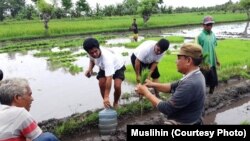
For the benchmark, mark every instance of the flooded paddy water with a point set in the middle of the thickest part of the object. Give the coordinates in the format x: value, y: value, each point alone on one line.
x: 235, y: 115
x: 59, y: 93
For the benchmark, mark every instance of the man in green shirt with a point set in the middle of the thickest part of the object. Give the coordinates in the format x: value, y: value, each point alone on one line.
x: 208, y: 42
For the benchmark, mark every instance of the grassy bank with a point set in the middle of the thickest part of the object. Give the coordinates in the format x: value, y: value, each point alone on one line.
x: 35, y: 29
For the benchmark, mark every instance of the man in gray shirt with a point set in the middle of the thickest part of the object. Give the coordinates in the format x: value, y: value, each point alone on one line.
x: 186, y: 105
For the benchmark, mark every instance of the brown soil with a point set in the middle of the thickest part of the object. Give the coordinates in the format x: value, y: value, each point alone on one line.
x: 231, y: 93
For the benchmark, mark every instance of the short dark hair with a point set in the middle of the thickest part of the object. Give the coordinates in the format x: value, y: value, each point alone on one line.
x: 90, y: 43
x: 163, y: 44
x: 197, y: 61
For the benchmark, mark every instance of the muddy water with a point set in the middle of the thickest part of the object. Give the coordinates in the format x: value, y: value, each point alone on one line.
x: 58, y: 93
x: 228, y: 30
x: 235, y: 115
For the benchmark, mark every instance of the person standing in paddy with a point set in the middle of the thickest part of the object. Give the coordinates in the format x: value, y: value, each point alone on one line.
x: 135, y: 30
x: 208, y: 42
x: 110, y: 66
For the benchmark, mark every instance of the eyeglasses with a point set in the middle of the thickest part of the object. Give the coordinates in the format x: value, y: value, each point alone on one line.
x: 184, y: 56
x: 210, y: 24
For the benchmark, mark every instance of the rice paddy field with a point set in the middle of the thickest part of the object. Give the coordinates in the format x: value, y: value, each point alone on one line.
x: 34, y: 29
x: 18, y: 38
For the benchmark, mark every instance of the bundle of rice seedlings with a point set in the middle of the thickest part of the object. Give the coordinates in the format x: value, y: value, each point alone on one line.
x: 204, y: 65
x: 144, y: 75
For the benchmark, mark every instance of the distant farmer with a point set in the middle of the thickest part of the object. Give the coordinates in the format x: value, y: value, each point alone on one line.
x: 208, y: 42
x: 134, y: 28
x: 110, y: 66
x: 147, y: 56
x: 186, y: 106
x: 16, y: 123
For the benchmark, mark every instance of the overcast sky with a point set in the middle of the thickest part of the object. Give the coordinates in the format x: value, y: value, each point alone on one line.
x: 174, y: 3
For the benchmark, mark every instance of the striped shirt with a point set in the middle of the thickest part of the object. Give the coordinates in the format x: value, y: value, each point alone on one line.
x: 16, y: 124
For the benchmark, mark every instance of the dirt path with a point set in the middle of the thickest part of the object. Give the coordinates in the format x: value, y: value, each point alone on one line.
x: 233, y: 93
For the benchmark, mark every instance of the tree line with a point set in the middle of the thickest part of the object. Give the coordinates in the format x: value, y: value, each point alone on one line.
x: 18, y: 9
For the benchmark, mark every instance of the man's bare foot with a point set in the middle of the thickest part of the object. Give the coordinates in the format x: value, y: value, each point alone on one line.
x: 115, y: 105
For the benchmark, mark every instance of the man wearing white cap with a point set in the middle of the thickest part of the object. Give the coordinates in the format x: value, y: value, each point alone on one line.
x: 208, y: 42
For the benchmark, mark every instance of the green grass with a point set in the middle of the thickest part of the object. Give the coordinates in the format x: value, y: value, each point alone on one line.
x: 175, y: 39
x: 171, y: 39
x: 31, y: 29
x: 233, y: 55
x: 166, y: 66
x: 70, y: 126
x: 245, y: 122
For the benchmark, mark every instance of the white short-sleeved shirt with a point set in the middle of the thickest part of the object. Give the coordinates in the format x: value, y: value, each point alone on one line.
x: 145, y: 52
x: 109, y: 61
x: 17, y: 124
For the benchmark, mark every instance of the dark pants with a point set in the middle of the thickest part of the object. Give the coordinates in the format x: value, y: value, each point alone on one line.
x: 118, y: 73
x: 211, y: 78
x: 155, y: 74
x: 200, y: 122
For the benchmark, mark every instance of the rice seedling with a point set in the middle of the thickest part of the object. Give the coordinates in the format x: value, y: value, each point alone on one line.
x: 204, y: 65
x: 124, y: 53
x: 144, y: 75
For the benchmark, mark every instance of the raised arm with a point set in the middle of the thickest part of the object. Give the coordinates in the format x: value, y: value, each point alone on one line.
x: 158, y: 86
